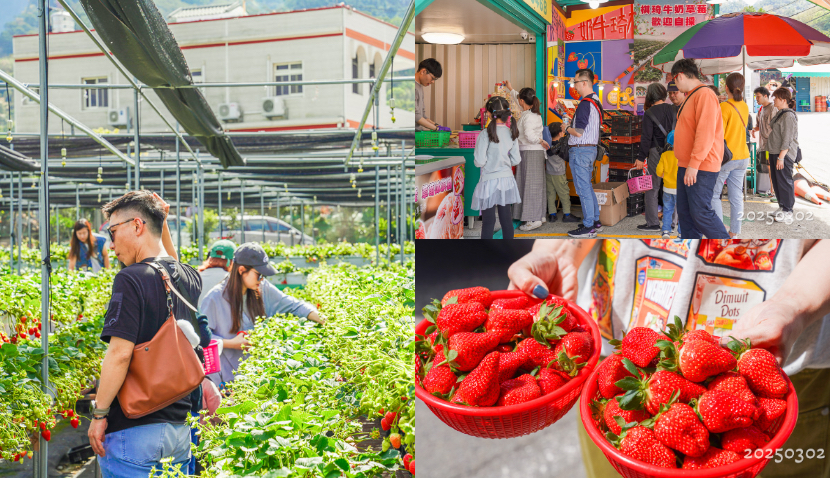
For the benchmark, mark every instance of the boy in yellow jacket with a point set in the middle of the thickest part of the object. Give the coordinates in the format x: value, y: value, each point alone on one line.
x: 667, y: 169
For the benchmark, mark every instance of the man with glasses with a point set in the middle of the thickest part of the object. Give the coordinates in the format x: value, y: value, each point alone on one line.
x: 675, y: 96
x: 585, y: 133
x: 138, y: 308
x: 429, y: 70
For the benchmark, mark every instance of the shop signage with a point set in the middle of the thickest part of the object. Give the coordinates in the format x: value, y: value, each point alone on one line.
x: 616, y: 25
x: 678, y: 15
x: 542, y: 7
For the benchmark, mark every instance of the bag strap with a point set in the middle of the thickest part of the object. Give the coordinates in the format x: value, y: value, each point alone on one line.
x: 781, y: 114
x: 659, y: 125
x: 739, y: 113
x: 599, y: 110
x: 687, y: 98
x: 169, y: 287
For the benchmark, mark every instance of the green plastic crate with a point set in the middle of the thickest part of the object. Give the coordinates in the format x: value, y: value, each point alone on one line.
x: 472, y: 127
x: 432, y: 139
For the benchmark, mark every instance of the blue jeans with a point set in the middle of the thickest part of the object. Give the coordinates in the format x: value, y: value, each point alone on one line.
x: 733, y: 172
x: 694, y: 207
x: 133, y: 452
x: 669, y: 203
x: 582, y: 165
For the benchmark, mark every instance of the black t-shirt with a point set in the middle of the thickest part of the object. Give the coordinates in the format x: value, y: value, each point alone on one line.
x: 136, y: 312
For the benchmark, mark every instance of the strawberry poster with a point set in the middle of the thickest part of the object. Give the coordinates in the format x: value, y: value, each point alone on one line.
x: 617, y: 24
x: 740, y: 254
x: 654, y: 292
x: 602, y: 291
x: 587, y: 54
x: 718, y: 302
x: 556, y: 62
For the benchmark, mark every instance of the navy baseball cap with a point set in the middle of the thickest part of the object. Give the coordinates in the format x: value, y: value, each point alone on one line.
x: 251, y: 254
x: 672, y: 86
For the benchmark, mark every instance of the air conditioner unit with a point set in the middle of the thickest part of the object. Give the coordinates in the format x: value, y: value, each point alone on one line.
x: 230, y: 112
x: 118, y: 117
x: 274, y: 106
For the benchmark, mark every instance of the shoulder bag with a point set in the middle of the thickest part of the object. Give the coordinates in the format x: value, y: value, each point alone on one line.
x: 727, y: 153
x: 163, y: 370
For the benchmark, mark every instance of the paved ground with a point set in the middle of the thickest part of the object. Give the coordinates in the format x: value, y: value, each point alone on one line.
x: 811, y: 221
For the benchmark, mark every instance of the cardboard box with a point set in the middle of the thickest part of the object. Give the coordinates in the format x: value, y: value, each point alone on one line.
x: 612, y: 204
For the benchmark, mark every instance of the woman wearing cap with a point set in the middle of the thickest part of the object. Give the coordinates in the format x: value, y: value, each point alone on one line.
x: 216, y: 266
x: 232, y: 305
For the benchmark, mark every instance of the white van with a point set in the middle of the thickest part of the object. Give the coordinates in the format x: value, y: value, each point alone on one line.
x: 275, y: 230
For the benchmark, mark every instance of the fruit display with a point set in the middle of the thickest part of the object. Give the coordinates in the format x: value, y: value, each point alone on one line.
x: 79, y: 302
x: 502, y: 355
x: 303, y: 396
x: 677, y: 399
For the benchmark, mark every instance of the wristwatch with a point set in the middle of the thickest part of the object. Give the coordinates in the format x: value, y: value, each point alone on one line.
x: 99, y: 413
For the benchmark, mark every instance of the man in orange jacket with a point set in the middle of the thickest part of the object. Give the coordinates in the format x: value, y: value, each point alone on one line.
x: 698, y: 146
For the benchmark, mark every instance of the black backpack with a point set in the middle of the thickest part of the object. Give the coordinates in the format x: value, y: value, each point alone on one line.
x: 777, y: 117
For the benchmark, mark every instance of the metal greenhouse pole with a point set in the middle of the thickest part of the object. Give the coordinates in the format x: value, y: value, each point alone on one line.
x: 388, y: 213
x: 178, y: 195
x: 291, y: 209
x: 77, y: 204
x: 19, y: 219
x: 194, y: 222
x: 302, y: 221
x: 201, y: 209
x: 43, y: 199
x: 221, y: 229
x: 377, y: 215
x: 262, y: 211
x: 137, y: 140
x: 12, y: 224
x: 242, y: 202
x: 279, y: 226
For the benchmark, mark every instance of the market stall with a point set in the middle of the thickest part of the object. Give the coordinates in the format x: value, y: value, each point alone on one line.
x: 479, y: 43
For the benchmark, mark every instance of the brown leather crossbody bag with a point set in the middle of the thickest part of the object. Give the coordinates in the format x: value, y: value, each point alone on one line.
x: 163, y: 370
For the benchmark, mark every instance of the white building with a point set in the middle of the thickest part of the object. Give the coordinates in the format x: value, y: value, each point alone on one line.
x: 317, y: 44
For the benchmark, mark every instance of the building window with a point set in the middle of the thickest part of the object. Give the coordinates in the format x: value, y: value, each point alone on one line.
x: 288, y: 72
x: 95, y: 97
x: 372, y: 70
x: 198, y: 78
x: 356, y: 75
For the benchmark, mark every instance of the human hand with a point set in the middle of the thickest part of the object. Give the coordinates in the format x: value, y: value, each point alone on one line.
x: 241, y: 340
x: 545, y: 145
x: 508, y: 85
x: 691, y: 177
x: 779, y: 165
x: 164, y: 205
x: 96, y: 436
x: 771, y: 325
x: 639, y: 164
x: 541, y: 272
x: 443, y: 128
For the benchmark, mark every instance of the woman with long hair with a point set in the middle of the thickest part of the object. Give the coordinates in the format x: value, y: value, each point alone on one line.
x: 659, y: 119
x: 735, y: 113
x: 783, y: 150
x: 234, y: 304
x: 86, y: 249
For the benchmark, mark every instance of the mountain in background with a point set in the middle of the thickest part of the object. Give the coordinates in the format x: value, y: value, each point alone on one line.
x: 19, y: 17
x: 801, y: 10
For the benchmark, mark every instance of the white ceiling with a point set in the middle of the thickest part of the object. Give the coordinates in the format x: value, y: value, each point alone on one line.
x: 470, y: 18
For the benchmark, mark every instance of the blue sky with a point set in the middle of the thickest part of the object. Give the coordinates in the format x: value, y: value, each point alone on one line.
x: 11, y: 9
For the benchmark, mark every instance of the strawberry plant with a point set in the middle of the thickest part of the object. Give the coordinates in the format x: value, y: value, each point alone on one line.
x: 295, y: 405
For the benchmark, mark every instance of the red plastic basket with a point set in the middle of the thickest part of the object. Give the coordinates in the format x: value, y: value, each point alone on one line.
x: 631, y: 468
x: 467, y: 139
x: 638, y: 184
x: 524, y: 418
x: 212, y: 362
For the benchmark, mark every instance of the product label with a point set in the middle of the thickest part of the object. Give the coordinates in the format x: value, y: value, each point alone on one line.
x: 603, y: 286
x: 741, y: 254
x: 679, y: 247
x: 718, y: 302
x: 654, y: 292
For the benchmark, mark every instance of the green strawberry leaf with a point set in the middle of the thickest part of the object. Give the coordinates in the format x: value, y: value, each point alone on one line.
x: 629, y: 383
x: 451, y: 300
x: 631, y: 400
x: 629, y: 365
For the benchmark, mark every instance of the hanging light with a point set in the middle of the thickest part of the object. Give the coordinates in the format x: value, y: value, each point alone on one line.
x: 99, y: 197
x: 9, y: 135
x: 594, y: 4
x: 374, y: 140
x: 443, y: 38
x: 556, y: 84
x: 100, y: 179
x: 63, y: 156
x: 391, y: 103
x: 286, y: 187
x: 358, y: 192
x: 360, y: 167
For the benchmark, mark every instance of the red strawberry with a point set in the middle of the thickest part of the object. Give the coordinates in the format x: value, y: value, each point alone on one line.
x: 504, y: 348
x: 440, y: 380
x: 551, y: 320
x: 740, y: 440
x: 471, y: 348
x: 471, y: 294
x: 577, y: 345
x: 611, y: 371
x: 390, y: 417
x: 519, y: 390
x: 514, y: 303
x: 696, y: 360
x: 434, y: 341
x: 612, y: 410
x: 395, y: 440
x: 384, y: 423
x: 481, y: 386
x: 406, y: 459
x: 638, y: 345
x: 74, y: 422
x: 734, y: 383
x: 656, y: 390
x: 722, y: 411
x: 412, y: 467
x: 641, y: 444
x: 46, y: 434
x: 760, y: 369
x: 508, y: 322
x: 678, y: 427
x: 455, y: 318
x: 550, y: 380
x: 713, y: 458
x: 700, y: 334
x: 538, y: 355
x: 509, y: 363
x: 770, y: 410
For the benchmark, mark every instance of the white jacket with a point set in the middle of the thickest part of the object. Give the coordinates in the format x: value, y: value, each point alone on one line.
x: 530, y: 128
